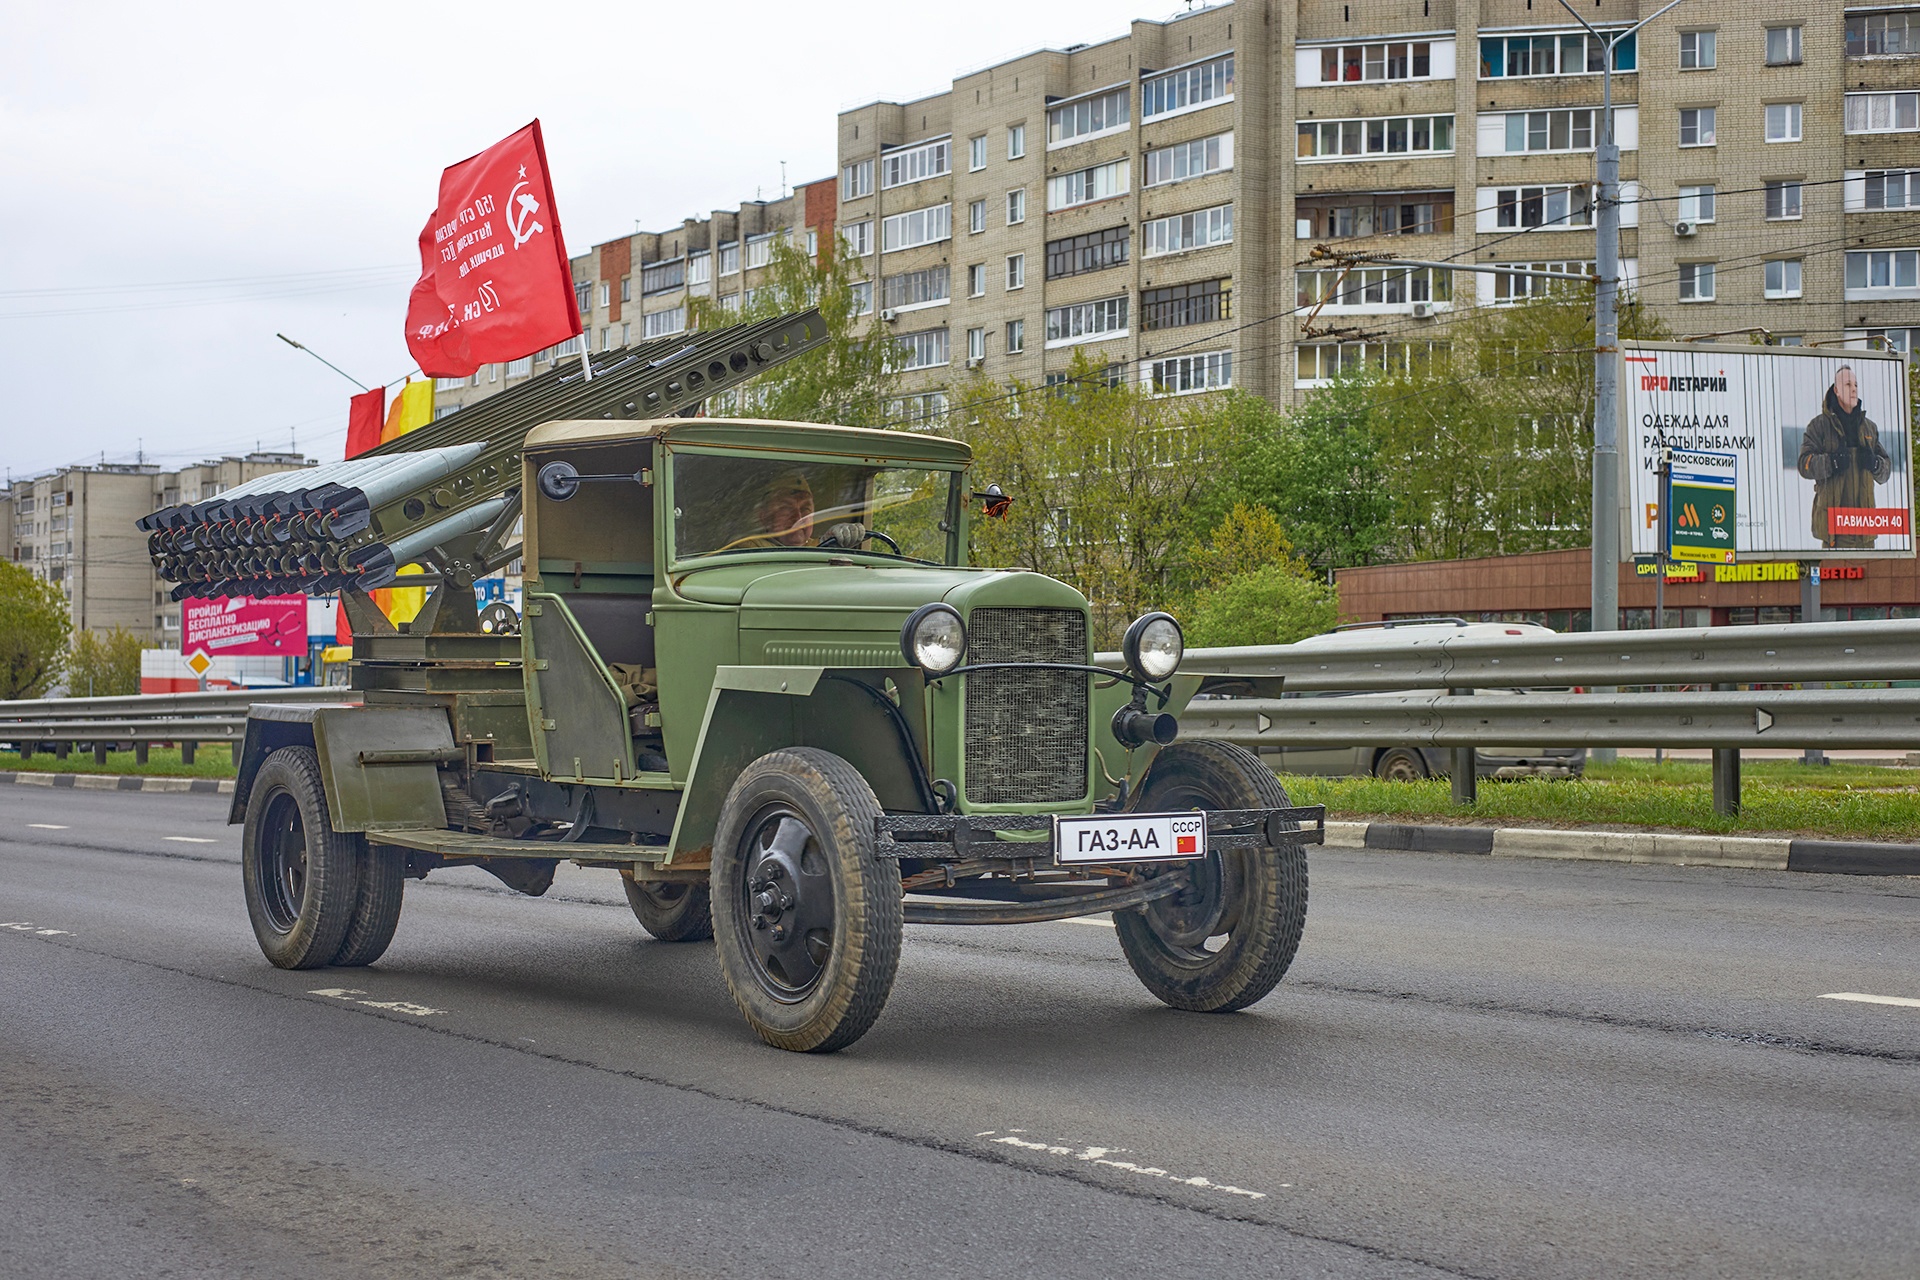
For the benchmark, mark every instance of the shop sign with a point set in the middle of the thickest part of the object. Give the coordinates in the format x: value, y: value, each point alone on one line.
x: 1702, y: 506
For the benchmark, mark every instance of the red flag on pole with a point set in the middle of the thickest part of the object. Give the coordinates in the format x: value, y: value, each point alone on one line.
x: 494, y: 280
x: 366, y: 414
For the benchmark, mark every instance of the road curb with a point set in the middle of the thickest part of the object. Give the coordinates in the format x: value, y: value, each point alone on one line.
x: 1664, y: 848
x: 120, y: 782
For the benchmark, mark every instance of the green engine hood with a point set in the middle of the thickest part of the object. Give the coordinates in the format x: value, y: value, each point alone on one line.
x: 863, y: 597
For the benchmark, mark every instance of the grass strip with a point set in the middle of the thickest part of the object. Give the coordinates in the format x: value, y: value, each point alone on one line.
x: 211, y: 760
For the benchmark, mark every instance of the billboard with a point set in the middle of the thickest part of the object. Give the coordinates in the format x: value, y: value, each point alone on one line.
x: 1821, y: 439
x: 240, y: 627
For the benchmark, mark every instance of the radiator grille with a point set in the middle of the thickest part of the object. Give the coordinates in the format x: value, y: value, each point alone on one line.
x: 1026, y: 730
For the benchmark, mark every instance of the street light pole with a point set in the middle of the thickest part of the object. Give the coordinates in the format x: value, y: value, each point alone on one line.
x: 322, y: 359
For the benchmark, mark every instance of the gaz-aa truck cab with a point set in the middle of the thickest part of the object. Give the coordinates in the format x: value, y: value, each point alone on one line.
x: 755, y: 676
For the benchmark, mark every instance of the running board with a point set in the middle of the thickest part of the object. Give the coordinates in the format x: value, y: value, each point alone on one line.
x: 471, y: 844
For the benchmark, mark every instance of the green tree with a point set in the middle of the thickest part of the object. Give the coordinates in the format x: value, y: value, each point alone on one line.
x: 33, y: 632
x: 850, y: 380
x: 1275, y: 604
x: 104, y: 664
x: 1106, y: 479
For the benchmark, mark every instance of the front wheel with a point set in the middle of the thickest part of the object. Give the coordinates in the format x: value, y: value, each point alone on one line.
x: 806, y: 915
x: 1227, y: 940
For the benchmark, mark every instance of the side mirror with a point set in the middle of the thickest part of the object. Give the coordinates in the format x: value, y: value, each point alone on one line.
x: 996, y: 501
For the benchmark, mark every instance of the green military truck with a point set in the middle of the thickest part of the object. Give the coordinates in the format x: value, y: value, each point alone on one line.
x: 756, y: 677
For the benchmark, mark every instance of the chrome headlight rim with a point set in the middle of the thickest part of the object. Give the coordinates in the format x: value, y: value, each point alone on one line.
x: 910, y: 634
x: 1130, y: 645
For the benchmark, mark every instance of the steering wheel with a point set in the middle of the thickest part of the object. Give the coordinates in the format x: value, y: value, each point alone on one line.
x: 831, y: 541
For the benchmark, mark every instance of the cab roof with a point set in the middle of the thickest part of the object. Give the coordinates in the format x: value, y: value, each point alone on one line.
x: 761, y: 435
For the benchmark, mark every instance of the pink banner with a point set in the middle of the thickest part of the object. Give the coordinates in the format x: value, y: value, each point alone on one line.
x: 236, y: 627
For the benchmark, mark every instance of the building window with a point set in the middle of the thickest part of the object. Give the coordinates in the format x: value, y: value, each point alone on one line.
x: 450, y: 384
x: 1904, y: 341
x: 1783, y: 46
x: 1191, y: 159
x: 1783, y: 120
x: 1016, y: 336
x: 921, y: 226
x: 730, y: 258
x: 1696, y: 204
x: 1179, y: 375
x: 1890, y: 189
x: 1187, y: 89
x: 1563, y: 54
x: 1090, y: 117
x: 977, y: 280
x: 626, y: 288
x: 1380, y: 136
x: 856, y: 180
x: 1783, y: 278
x: 1871, y: 35
x: 1883, y: 273
x: 606, y: 294
x: 1016, y: 206
x: 609, y: 339
x: 1348, y: 63
x: 1185, y: 231
x: 813, y: 243
x: 583, y: 294
x: 1174, y: 306
x: 977, y: 153
x: 914, y: 288
x: 659, y: 277
x: 1696, y: 50
x: 1783, y: 199
x: 924, y: 350
x: 1883, y: 112
x: 1372, y: 288
x: 1016, y: 141
x: 1319, y: 363
x: 920, y: 412
x: 1084, y: 186
x: 976, y: 217
x: 1083, y: 321
x: 661, y: 323
x: 760, y: 247
x: 1696, y: 126
x: 1563, y: 207
x: 700, y: 269
x: 1016, y: 270
x: 976, y: 344
x: 861, y: 292
x: 1696, y: 282
x: 1094, y: 251
x: 520, y: 368
x: 1514, y: 288
x: 916, y: 163
x: 1518, y: 132
x: 1401, y: 218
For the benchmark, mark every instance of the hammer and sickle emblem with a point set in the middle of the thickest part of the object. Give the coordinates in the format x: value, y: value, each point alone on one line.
x: 520, y: 211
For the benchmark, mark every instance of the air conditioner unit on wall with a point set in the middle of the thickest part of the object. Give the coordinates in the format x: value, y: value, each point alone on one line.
x: 1684, y: 229
x: 1422, y: 310
x: 889, y: 315
x: 974, y: 362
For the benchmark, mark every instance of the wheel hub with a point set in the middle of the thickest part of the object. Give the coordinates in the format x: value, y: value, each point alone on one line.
x: 788, y: 900
x: 1188, y: 918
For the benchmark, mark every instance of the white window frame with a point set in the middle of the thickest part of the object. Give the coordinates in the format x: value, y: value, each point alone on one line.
x: 1708, y: 116
x: 1489, y: 204
x: 1900, y: 264
x: 1705, y: 52
x: 858, y: 237
x: 1186, y: 232
x: 1193, y: 87
x: 1697, y: 203
x: 1898, y: 103
x: 862, y: 294
x: 1692, y: 278
x: 1016, y: 206
x: 1557, y: 40
x: 1016, y: 271
x: 1310, y: 61
x: 1784, y: 185
x: 1016, y: 336
x: 729, y: 257
x: 1090, y: 185
x: 1863, y: 185
x: 1016, y: 141
x: 976, y: 153
x: 700, y: 268
x: 927, y: 349
x: 1909, y: 37
x: 659, y: 324
x: 856, y: 179
x: 1791, y: 40
x: 916, y: 162
x: 977, y: 344
x: 1100, y: 103
x: 916, y: 227
x: 1096, y: 320
x: 1215, y: 156
x: 1498, y: 130
x: 1784, y: 282
x: 1215, y: 370
x: 1364, y: 135
x: 976, y: 217
x: 1789, y: 115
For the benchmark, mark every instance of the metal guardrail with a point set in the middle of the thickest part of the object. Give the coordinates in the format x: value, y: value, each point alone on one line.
x: 58, y: 724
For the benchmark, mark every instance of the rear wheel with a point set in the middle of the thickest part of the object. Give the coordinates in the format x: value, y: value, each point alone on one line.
x: 672, y: 912
x: 806, y: 915
x: 1225, y: 941
x: 1400, y: 765
x: 376, y: 907
x: 301, y: 877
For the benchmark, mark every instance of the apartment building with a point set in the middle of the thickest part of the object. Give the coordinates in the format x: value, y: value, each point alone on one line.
x: 1155, y: 200
x: 638, y: 287
x: 75, y: 527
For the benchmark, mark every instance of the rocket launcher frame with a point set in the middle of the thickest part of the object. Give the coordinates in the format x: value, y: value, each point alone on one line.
x: 348, y: 526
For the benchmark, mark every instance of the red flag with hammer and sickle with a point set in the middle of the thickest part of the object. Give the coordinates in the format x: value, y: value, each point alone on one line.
x: 494, y: 280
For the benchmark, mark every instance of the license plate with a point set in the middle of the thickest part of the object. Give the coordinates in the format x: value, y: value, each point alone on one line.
x: 1131, y: 837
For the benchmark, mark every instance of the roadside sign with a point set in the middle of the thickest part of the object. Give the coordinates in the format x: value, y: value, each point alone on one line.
x: 200, y: 662
x: 1702, y: 509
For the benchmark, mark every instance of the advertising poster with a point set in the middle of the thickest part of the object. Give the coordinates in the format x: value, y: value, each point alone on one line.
x: 1703, y: 506
x: 1820, y: 437
x: 239, y: 627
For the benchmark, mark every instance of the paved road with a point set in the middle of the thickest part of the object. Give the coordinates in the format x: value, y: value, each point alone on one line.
x: 1477, y: 1067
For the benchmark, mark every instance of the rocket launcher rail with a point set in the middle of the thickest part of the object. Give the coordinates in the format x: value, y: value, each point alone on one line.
x: 349, y: 526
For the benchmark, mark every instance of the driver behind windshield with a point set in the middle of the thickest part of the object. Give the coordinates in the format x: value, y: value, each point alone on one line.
x: 783, y: 513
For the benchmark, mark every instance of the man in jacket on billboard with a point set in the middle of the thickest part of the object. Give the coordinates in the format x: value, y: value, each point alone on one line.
x: 1841, y: 453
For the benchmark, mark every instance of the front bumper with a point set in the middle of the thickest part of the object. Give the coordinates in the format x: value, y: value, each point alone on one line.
x: 960, y: 837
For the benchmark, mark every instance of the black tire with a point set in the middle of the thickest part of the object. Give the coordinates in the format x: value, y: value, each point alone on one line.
x: 672, y: 912
x: 1401, y: 764
x: 1227, y: 942
x: 808, y: 953
x: 376, y: 908
x: 302, y: 877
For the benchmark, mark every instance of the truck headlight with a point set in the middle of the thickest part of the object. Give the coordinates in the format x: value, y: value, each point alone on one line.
x: 1154, y: 646
x: 934, y: 639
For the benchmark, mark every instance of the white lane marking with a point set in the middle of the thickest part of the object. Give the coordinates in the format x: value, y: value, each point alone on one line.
x: 47, y: 826
x: 1100, y: 1156
x: 1095, y: 921
x: 190, y: 839
x: 352, y: 996
x: 27, y: 926
x: 1862, y: 997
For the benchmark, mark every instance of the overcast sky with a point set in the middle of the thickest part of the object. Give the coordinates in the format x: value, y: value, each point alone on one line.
x: 180, y: 182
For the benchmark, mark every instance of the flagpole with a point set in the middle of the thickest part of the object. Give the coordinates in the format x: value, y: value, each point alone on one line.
x: 586, y: 365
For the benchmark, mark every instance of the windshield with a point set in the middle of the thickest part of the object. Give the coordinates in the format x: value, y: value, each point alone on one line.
x: 727, y: 502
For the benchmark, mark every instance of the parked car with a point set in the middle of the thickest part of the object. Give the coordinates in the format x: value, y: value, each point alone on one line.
x: 1409, y: 761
